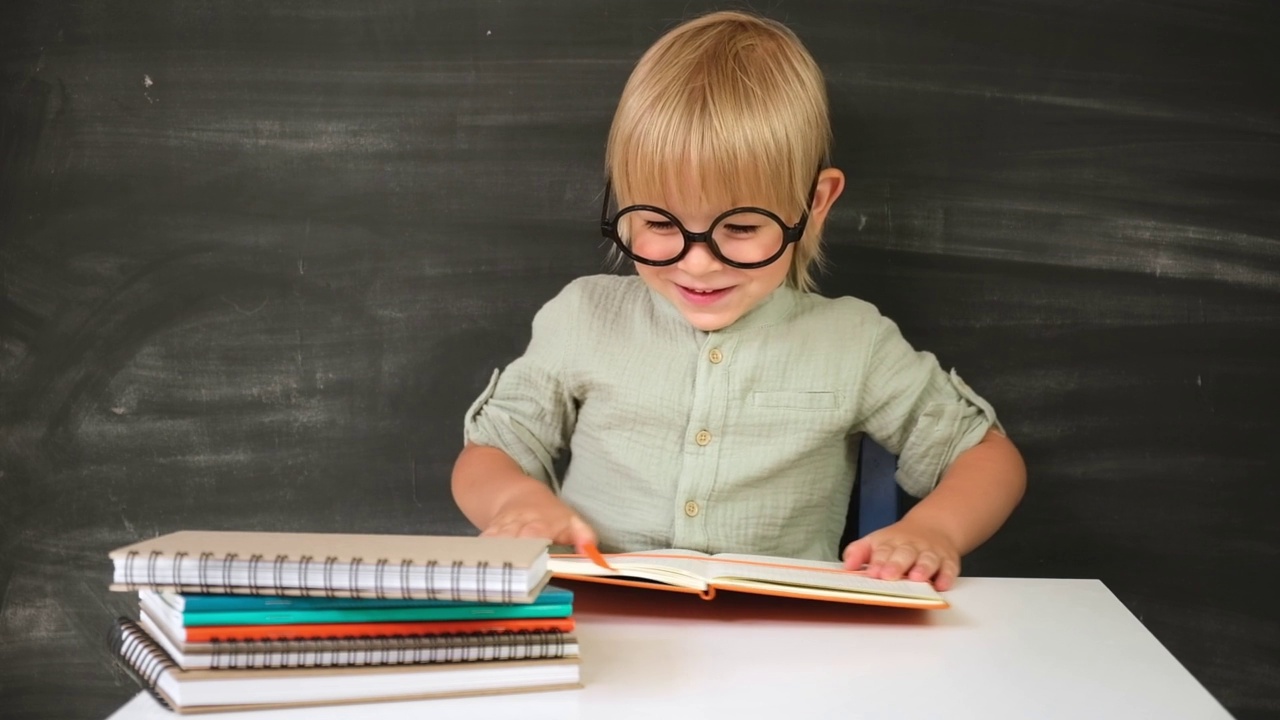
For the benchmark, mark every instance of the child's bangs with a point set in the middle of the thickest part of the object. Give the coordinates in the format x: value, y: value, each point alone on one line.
x: 691, y: 162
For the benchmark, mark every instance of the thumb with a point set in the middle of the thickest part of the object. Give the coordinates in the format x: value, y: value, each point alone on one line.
x: 857, y: 554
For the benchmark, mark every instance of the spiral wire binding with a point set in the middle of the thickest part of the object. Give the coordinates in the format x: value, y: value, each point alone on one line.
x: 178, y: 557
x: 254, y: 561
x: 140, y: 656
x: 208, y: 566
x: 339, y: 651
x: 429, y: 576
x: 146, y: 661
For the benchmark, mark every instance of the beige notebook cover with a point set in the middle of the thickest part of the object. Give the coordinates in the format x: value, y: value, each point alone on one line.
x: 521, y: 552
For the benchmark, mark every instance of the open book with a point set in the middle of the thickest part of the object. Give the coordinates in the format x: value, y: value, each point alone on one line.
x: 694, y: 572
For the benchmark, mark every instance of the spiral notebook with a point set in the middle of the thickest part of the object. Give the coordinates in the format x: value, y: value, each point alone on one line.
x: 240, y: 633
x: 350, y: 652
x: 482, y: 569
x: 193, y: 691
x: 550, y: 603
x: 201, y: 604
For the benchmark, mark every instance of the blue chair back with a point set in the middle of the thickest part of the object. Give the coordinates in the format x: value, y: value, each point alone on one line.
x: 878, y: 493
x: 877, y: 500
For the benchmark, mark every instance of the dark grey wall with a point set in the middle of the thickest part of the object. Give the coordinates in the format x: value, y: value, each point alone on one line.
x: 256, y: 258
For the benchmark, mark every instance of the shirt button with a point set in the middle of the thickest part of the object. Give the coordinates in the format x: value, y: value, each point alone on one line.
x: 715, y: 356
x: 703, y: 438
x: 691, y: 509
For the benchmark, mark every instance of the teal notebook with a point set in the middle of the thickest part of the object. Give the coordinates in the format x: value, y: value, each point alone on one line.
x: 556, y: 605
x: 196, y: 603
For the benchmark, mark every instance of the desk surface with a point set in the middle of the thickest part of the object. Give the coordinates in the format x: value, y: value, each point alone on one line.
x: 1008, y: 648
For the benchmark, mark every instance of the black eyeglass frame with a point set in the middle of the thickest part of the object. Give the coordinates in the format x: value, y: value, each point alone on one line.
x: 790, y: 233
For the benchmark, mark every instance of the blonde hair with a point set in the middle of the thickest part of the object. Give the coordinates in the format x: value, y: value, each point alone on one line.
x: 731, y: 104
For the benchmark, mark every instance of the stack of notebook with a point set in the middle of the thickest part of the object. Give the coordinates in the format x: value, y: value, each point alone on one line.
x: 233, y: 620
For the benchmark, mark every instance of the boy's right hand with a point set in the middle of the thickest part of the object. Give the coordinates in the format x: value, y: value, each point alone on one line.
x: 546, y: 519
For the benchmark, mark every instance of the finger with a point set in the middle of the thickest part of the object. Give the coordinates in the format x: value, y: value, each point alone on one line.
x: 506, y: 524
x: 902, y: 557
x: 947, y: 574
x: 535, y: 529
x: 509, y: 526
x: 499, y: 530
x: 857, y: 554
x: 579, y: 534
x: 880, y: 554
x: 925, y: 567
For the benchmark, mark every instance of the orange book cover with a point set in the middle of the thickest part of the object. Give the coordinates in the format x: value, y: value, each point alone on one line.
x: 222, y: 633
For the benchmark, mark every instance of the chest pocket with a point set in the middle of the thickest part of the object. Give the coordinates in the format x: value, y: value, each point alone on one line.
x: 794, y: 400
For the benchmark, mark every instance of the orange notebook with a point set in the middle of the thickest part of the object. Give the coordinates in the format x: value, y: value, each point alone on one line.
x: 222, y: 633
x: 694, y: 572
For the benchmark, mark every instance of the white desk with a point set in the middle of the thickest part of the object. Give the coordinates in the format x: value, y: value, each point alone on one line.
x: 1008, y: 648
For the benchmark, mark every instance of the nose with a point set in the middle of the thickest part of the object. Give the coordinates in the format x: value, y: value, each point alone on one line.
x: 699, y: 260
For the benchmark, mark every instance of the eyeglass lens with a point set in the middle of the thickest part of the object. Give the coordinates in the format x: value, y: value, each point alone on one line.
x: 743, y: 237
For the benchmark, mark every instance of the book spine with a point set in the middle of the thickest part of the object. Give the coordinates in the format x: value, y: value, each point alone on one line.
x: 140, y: 656
x: 308, y: 576
x: 479, y: 647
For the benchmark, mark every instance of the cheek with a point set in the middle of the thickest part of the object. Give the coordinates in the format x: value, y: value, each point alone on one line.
x: 648, y: 273
x: 773, y: 275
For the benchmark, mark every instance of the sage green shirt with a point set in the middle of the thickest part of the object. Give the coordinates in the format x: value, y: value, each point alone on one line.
x: 738, y: 440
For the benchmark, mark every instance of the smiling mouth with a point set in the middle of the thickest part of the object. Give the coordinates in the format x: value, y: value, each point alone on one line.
x: 702, y: 297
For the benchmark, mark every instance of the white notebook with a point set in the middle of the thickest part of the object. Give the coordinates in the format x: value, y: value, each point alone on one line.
x: 193, y: 691
x: 510, y: 570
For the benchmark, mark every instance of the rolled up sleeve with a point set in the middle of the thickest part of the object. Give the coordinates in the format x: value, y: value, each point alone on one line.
x: 917, y: 411
x: 527, y: 410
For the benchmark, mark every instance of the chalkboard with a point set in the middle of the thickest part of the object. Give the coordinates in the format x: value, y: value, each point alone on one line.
x: 257, y: 258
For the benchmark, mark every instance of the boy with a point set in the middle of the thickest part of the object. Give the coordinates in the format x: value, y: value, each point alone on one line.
x: 709, y: 402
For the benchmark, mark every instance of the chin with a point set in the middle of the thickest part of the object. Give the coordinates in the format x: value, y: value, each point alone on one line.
x: 706, y: 323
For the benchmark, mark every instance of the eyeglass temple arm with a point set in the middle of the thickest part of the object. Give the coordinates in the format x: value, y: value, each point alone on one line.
x: 797, y: 230
x: 605, y: 224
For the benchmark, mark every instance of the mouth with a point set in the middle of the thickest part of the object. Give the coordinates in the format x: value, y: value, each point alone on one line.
x: 701, y: 296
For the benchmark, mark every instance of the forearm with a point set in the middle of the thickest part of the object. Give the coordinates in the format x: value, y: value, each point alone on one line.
x: 976, y: 494
x: 486, y: 479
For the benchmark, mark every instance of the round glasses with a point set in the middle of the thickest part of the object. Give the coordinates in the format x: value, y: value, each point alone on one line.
x: 744, y: 237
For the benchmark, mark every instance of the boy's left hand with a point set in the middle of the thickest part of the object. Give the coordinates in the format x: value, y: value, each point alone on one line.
x: 906, y: 549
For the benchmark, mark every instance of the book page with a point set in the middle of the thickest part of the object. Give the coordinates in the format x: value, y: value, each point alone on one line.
x: 682, y: 568
x: 773, y: 560
x: 801, y: 574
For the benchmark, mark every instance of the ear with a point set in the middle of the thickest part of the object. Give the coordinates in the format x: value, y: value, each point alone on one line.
x: 829, y: 186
